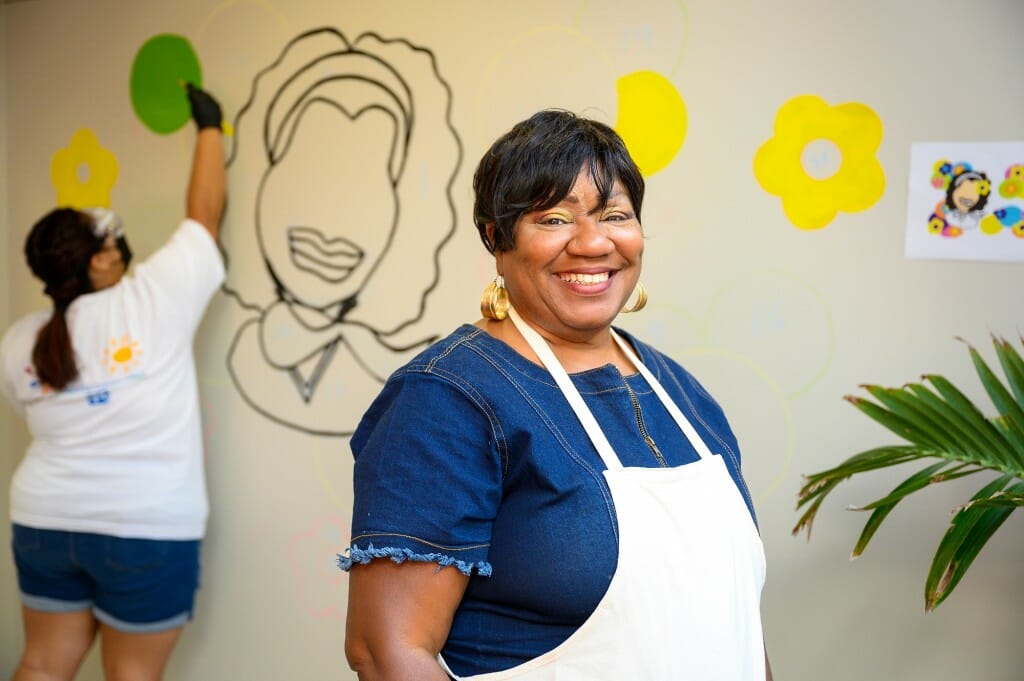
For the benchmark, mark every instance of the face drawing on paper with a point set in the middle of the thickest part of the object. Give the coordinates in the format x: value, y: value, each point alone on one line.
x: 966, y: 194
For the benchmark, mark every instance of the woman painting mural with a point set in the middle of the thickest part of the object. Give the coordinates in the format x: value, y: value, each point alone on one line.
x: 109, y: 504
x: 540, y: 496
x: 342, y: 166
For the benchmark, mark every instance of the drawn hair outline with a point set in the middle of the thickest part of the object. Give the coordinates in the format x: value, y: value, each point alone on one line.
x: 301, y: 57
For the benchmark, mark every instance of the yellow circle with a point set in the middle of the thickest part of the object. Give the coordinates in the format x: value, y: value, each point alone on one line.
x: 651, y: 119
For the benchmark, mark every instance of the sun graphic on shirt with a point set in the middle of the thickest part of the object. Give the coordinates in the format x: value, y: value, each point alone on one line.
x: 122, y: 355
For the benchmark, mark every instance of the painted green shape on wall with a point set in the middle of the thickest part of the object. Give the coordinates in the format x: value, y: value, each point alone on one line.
x: 161, y: 67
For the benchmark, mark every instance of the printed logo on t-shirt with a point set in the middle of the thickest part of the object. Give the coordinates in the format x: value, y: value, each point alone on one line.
x: 98, y: 398
x: 122, y: 355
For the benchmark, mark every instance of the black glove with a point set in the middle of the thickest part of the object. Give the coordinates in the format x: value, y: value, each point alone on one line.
x: 205, y: 109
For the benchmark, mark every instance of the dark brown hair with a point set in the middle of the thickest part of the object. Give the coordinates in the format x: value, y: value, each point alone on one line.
x: 58, y: 251
x: 535, y: 164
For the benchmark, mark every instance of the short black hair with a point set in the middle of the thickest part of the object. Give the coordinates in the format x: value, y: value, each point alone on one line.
x: 535, y: 164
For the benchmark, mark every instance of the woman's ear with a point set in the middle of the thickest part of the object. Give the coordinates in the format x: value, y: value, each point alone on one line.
x: 103, y: 271
x: 489, y: 232
x: 102, y: 260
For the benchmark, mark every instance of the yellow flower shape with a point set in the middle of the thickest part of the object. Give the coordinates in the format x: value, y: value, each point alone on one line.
x: 805, y: 124
x: 1011, y: 187
x: 83, y: 173
x: 984, y: 187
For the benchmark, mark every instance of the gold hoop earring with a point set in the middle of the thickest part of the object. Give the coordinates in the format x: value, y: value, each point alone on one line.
x: 641, y: 299
x: 494, y: 301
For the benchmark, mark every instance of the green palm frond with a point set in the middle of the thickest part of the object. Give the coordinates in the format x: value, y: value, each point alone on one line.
x: 949, y: 432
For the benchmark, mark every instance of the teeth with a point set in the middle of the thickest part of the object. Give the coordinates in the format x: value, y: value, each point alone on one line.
x: 585, y: 279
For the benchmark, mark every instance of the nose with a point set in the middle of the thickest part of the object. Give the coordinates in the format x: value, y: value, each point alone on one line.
x: 590, y: 239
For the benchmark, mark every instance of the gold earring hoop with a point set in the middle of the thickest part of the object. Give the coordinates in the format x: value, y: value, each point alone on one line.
x: 494, y: 301
x: 641, y: 299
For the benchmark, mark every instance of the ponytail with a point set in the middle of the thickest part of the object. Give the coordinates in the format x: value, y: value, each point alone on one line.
x: 52, y: 354
x: 58, y: 250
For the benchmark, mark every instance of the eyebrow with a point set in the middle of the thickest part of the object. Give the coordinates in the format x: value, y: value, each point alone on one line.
x: 616, y: 193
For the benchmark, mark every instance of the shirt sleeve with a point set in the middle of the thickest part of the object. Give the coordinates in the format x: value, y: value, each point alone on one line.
x: 7, y: 363
x: 188, y: 269
x: 427, y: 477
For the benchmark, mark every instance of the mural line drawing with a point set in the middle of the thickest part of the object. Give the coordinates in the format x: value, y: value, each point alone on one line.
x: 343, y: 163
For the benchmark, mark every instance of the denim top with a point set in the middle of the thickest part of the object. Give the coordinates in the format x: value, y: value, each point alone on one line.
x: 471, y: 457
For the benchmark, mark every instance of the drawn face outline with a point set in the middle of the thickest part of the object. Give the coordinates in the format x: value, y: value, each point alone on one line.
x: 395, y: 73
x: 321, y: 239
x: 966, y: 196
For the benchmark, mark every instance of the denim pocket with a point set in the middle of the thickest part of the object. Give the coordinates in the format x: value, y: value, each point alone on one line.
x: 136, y: 555
x: 24, y: 539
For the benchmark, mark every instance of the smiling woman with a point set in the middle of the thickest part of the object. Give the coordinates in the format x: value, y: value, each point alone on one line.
x: 571, y: 505
x: 575, y: 263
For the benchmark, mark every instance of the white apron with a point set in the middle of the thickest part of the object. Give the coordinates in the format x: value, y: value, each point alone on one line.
x: 684, y: 602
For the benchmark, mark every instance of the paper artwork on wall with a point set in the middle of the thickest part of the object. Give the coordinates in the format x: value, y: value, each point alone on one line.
x: 966, y: 201
x: 341, y: 171
x: 821, y: 160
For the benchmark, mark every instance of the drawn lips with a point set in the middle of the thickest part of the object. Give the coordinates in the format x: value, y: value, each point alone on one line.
x: 329, y: 259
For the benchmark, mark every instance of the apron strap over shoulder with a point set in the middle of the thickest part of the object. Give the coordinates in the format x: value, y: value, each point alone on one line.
x: 684, y: 423
x: 583, y: 413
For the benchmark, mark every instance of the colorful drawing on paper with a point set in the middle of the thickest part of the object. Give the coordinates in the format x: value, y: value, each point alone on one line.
x: 966, y: 201
x: 336, y: 265
x: 821, y: 160
x: 83, y: 173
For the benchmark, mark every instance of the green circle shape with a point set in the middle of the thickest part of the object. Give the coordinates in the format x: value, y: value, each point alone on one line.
x: 161, y: 67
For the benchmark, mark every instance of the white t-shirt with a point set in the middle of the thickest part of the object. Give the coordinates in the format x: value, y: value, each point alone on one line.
x: 119, y: 451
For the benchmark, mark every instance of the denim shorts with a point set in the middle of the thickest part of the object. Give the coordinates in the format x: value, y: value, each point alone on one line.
x: 133, y: 585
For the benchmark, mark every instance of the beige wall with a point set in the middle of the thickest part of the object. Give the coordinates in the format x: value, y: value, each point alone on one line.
x: 10, y: 620
x: 779, y: 323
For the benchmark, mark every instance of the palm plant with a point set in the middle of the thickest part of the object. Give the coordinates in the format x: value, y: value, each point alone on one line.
x: 940, y: 422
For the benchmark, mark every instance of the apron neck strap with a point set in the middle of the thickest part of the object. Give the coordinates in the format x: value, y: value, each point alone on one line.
x: 684, y: 423
x: 554, y: 367
x: 583, y: 413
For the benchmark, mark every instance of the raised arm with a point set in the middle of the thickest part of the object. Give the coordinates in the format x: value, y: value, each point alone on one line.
x: 399, y: 616
x: 207, y: 184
